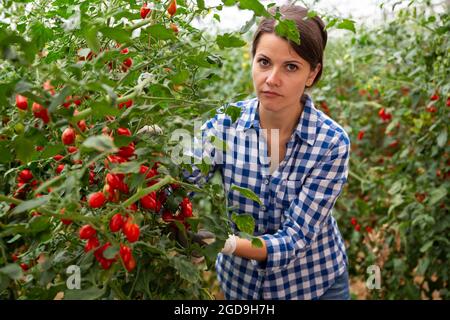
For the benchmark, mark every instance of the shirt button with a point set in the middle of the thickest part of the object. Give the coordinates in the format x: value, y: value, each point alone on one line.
x: 263, y: 208
x: 266, y: 181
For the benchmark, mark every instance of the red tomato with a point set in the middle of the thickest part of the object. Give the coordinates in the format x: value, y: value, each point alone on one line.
x: 186, y: 208
x: 149, y: 201
x: 25, y: 175
x: 125, y: 253
x: 96, y: 199
x: 124, y: 132
x: 87, y: 232
x: 145, y: 11
x: 116, y: 222
x: 21, y: 102
x: 131, y: 231
x: 113, y: 180
x: 68, y: 136
x: 91, y: 244
x: 60, y: 168
x: 172, y: 9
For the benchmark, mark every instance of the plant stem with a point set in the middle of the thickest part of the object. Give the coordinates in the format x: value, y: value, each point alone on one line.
x: 138, y: 195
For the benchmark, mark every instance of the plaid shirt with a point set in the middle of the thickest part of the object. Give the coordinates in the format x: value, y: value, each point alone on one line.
x: 305, y: 249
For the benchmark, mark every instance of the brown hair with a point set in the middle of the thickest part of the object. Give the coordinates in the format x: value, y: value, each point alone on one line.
x: 313, y: 36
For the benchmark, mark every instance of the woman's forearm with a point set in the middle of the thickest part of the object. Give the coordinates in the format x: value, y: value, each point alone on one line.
x: 244, y: 249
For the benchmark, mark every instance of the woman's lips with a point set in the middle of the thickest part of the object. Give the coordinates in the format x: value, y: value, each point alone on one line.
x: 270, y: 94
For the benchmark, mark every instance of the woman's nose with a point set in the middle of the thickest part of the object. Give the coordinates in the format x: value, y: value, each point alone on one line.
x: 273, y: 79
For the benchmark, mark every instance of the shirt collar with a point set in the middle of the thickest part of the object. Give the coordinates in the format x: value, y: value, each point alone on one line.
x: 306, y: 128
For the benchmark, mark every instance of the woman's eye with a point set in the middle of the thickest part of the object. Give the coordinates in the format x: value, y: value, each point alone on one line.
x: 263, y: 62
x: 291, y: 67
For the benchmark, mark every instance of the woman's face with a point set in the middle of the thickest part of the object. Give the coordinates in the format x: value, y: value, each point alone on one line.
x: 279, y: 74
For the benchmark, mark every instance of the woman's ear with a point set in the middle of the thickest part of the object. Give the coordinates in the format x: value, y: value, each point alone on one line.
x: 312, y: 75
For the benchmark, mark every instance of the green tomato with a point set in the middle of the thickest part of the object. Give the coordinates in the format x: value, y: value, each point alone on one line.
x: 19, y: 128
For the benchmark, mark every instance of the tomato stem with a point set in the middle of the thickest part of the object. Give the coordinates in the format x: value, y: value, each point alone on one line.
x: 138, y: 195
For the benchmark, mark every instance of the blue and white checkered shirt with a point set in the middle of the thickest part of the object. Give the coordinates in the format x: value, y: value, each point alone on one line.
x: 306, y: 251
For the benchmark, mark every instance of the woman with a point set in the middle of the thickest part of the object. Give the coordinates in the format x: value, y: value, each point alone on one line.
x: 303, y: 254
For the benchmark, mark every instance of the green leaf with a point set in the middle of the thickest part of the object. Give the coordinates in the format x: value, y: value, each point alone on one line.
x: 100, y: 143
x: 91, y: 38
x: 12, y: 270
x: 117, y: 34
x: 51, y: 150
x: 39, y: 224
x: 255, y: 6
x: 234, y: 112
x: 245, y: 28
x: 198, y: 60
x: 111, y: 252
x: 121, y: 141
x: 87, y: 294
x: 31, y: 204
x: 423, y: 266
x: 185, y: 269
x: 396, y: 188
x: 14, y: 239
x: 244, y: 222
x: 229, y: 41
x: 347, y: 25
x: 249, y: 194
x: 229, y: 3
x: 5, y: 281
x: 23, y: 86
x: 396, y: 201
x: 437, y: 195
x: 23, y: 145
x: 101, y: 109
x: 5, y: 153
x: 59, y: 99
x: 442, y: 138
x: 288, y: 29
x: 159, y: 32
x: 257, y: 242
x: 180, y: 77
x: 426, y: 246
x: 127, y: 167
x: 331, y: 23
x: 201, y: 4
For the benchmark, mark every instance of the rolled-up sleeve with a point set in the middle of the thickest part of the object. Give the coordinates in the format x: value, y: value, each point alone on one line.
x: 310, y: 210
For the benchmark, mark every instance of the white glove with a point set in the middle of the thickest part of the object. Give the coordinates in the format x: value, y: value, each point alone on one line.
x: 153, y: 129
x: 230, y: 245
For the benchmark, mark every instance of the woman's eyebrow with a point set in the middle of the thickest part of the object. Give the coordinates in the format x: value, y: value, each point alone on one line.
x: 290, y: 61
